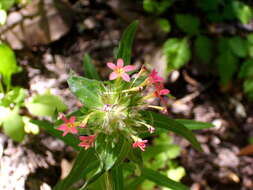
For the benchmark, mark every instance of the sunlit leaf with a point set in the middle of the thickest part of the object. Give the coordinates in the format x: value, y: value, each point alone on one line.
x: 86, y: 90
x: 194, y: 125
x: 177, y: 52
x: 162, y: 180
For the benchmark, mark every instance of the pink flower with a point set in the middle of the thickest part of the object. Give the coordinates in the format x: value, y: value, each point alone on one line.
x: 141, y: 144
x: 154, y: 78
x: 68, y: 126
x: 87, y: 141
x: 119, y: 70
x: 160, y: 90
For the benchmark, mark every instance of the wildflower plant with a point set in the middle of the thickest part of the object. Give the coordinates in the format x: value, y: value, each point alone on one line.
x: 114, y: 127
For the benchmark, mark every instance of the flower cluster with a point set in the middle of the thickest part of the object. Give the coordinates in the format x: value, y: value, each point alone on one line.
x: 121, y: 109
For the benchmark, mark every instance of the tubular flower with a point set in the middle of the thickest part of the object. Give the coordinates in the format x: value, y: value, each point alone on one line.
x: 141, y: 144
x: 68, y: 126
x: 87, y: 141
x: 154, y: 78
x: 120, y: 71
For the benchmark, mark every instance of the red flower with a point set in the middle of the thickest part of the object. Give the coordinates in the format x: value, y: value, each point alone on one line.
x: 154, y: 78
x: 120, y: 71
x: 68, y: 126
x: 141, y: 144
x: 87, y: 141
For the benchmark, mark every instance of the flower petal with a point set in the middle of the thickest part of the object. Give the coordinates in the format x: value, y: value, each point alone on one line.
x: 74, y: 130
x: 62, y: 127
x: 120, y: 63
x: 129, y: 68
x: 66, y: 132
x: 62, y: 116
x: 125, y: 77
x: 113, y: 76
x: 164, y: 92
x: 72, y: 119
x: 111, y: 65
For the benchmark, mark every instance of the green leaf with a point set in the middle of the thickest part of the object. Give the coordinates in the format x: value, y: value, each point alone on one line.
x: 126, y: 43
x: 107, y: 150
x: 85, y: 162
x: 45, y: 105
x: 89, y: 68
x: 162, y: 121
x: 117, y: 178
x: 7, y: 4
x: 188, y: 23
x: 8, y: 64
x: 162, y: 180
x: 246, y: 70
x: 227, y: 66
x: 238, y: 46
x: 248, y: 87
x: 194, y: 125
x: 204, y: 48
x: 134, y: 183
x: 242, y: 11
x: 157, y: 7
x: 13, y: 126
x: 164, y: 25
x: 86, y: 90
x: 49, y: 127
x: 177, y: 52
x: 15, y: 96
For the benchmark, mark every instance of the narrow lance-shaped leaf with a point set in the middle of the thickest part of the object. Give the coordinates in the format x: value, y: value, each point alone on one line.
x: 162, y: 121
x: 126, y: 43
x: 85, y: 162
x: 194, y: 125
x: 162, y: 180
x: 117, y: 178
x: 89, y: 68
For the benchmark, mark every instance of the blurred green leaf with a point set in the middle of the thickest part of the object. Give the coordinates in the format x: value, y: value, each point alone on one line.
x: 86, y: 90
x: 194, y: 125
x: 89, y: 68
x: 69, y: 139
x: 7, y: 4
x: 248, y: 87
x: 162, y: 121
x: 164, y: 25
x: 238, y: 46
x: 246, y: 70
x: 134, y: 183
x: 227, y: 66
x: 45, y: 105
x: 126, y: 43
x: 13, y: 126
x: 209, y: 5
x: 157, y: 7
x: 204, y: 48
x: 177, y: 52
x: 176, y: 173
x: 242, y: 11
x: 188, y: 23
x: 162, y: 180
x: 8, y: 64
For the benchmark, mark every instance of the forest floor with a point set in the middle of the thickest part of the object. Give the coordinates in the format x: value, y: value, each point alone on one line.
x: 41, y: 160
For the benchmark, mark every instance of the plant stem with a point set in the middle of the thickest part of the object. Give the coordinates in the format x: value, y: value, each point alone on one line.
x: 1, y: 87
